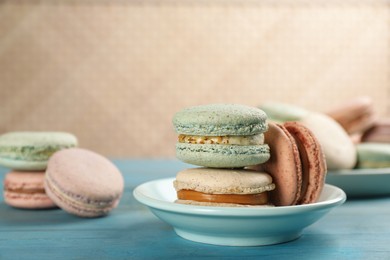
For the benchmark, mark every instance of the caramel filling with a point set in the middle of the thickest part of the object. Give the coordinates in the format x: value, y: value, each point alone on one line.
x: 23, y: 191
x: 227, y: 140
x: 244, y: 199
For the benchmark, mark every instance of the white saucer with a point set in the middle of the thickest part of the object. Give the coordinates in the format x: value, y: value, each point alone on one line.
x: 233, y: 226
x: 361, y: 182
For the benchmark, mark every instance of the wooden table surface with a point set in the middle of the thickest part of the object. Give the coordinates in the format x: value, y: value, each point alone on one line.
x: 359, y: 229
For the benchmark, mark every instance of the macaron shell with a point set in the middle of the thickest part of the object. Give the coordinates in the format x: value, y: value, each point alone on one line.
x: 339, y: 150
x: 220, y: 120
x: 284, y: 166
x: 31, y: 150
x: 80, y: 209
x: 22, y: 190
x: 23, y: 165
x: 282, y: 112
x: 222, y: 156
x: 83, y: 182
x: 223, y: 181
x: 22, y: 139
x: 373, y: 155
x: 28, y: 201
x: 313, y: 162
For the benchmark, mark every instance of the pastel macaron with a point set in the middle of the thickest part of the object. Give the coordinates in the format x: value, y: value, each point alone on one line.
x: 83, y: 182
x: 297, y: 164
x: 221, y: 135
x: 223, y: 187
x: 280, y: 112
x: 373, y: 155
x: 31, y: 150
x: 26, y: 190
x: 355, y: 115
x: 339, y: 149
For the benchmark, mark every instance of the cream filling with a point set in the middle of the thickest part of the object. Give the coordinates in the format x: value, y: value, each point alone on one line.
x: 227, y: 140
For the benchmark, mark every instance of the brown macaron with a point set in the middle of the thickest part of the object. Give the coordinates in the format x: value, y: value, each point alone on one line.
x: 312, y: 161
x: 297, y: 164
x: 284, y: 166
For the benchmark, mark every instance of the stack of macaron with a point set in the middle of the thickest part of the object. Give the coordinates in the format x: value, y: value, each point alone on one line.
x: 48, y: 171
x: 243, y: 164
x: 27, y: 155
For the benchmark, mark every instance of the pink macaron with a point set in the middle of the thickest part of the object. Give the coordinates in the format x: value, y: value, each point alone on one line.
x: 83, y: 182
x: 26, y: 190
x: 297, y: 164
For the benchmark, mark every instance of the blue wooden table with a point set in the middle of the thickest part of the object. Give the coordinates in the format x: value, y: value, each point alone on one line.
x: 359, y: 229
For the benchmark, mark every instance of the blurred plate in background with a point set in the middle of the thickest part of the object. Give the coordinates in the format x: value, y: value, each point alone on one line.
x: 361, y: 182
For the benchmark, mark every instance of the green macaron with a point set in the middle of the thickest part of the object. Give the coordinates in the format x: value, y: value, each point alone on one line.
x: 373, y: 155
x: 283, y: 112
x: 31, y: 150
x: 221, y: 135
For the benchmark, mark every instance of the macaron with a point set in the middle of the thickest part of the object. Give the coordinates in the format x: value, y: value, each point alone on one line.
x: 373, y: 155
x: 223, y: 187
x: 313, y: 162
x: 282, y: 112
x: 30, y: 151
x: 83, y: 182
x: 378, y: 133
x: 356, y: 115
x: 297, y: 164
x: 221, y: 135
x: 26, y: 190
x: 339, y: 149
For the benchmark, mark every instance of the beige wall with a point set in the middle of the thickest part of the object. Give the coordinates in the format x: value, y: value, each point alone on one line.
x: 115, y: 72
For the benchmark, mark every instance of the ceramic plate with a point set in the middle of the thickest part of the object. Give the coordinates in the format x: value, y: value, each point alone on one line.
x: 234, y: 226
x: 361, y: 182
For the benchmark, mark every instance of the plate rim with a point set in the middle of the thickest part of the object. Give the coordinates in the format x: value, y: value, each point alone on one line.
x: 339, y: 199
x: 359, y: 172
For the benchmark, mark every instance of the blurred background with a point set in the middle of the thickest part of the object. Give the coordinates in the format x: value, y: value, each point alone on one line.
x: 114, y: 72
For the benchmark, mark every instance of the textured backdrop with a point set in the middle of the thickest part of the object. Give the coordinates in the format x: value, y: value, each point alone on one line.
x: 114, y: 72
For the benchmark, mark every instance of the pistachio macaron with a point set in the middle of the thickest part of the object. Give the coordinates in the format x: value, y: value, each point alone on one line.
x: 31, y: 150
x: 373, y: 155
x: 221, y: 135
x: 283, y: 112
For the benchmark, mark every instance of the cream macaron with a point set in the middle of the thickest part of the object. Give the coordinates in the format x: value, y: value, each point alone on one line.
x: 340, y: 152
x: 223, y: 187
